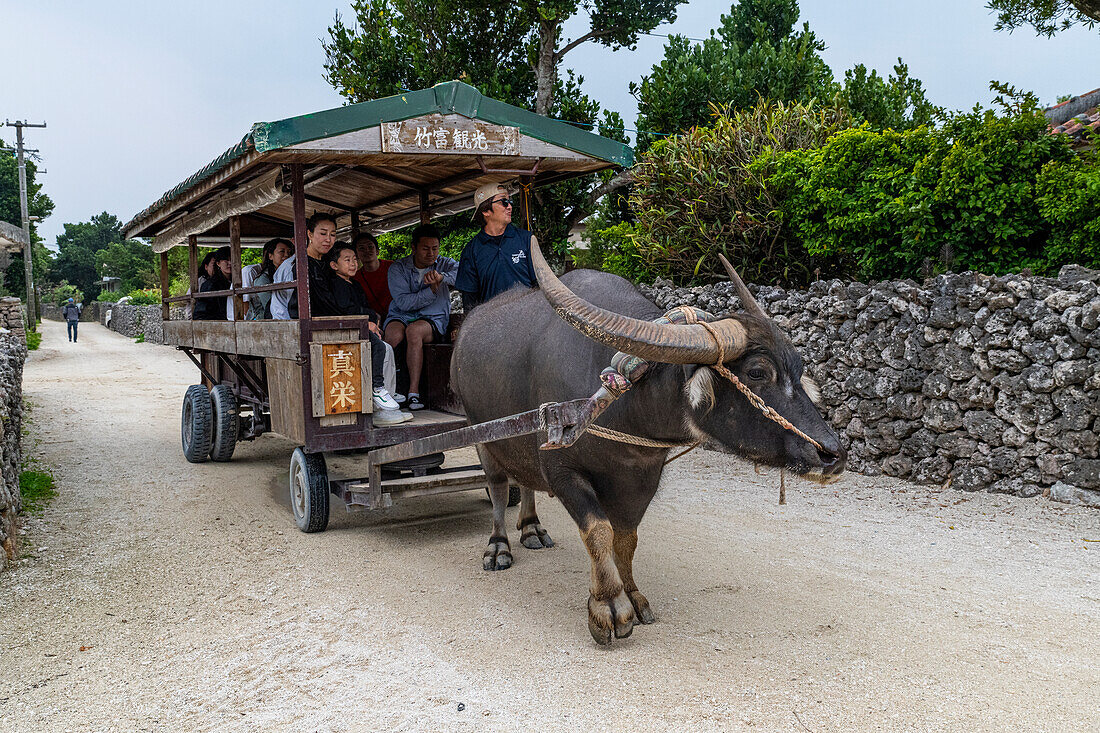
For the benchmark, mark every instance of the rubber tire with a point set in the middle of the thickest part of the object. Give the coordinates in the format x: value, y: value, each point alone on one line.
x: 513, y: 495
x: 196, y: 428
x: 309, y: 490
x: 226, y: 423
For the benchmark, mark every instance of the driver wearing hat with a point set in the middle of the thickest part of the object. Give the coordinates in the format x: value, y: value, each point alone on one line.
x: 498, y: 258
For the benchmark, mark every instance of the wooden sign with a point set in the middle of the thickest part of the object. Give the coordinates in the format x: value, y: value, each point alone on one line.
x: 436, y: 133
x: 342, y: 366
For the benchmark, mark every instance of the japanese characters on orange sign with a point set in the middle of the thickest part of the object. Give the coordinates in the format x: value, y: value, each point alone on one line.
x: 436, y: 133
x: 341, y: 365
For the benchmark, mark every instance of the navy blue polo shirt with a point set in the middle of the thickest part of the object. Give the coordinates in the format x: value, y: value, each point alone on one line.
x: 491, y: 265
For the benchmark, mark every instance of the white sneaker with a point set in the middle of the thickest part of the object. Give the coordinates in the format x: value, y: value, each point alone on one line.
x: 399, y: 398
x: 384, y: 418
x: 383, y: 400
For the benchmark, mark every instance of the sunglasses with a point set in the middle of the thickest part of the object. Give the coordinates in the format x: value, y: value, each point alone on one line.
x: 503, y: 202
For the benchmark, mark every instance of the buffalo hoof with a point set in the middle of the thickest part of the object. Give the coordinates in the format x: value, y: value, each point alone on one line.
x: 641, y: 607
x: 498, y: 555
x: 605, y: 618
x: 534, y: 537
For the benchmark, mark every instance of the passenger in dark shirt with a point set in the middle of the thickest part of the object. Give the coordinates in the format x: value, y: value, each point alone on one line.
x: 217, y: 265
x: 346, y: 298
x: 499, y: 257
x: 321, y: 235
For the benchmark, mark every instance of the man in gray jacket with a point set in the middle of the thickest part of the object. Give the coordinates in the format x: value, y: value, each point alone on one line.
x: 421, y: 308
x: 71, y: 312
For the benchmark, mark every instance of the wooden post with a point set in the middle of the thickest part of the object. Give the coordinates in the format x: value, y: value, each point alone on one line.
x: 521, y: 208
x: 235, y: 263
x: 425, y: 210
x: 301, y: 261
x: 193, y: 267
x: 354, y: 226
x: 164, y: 283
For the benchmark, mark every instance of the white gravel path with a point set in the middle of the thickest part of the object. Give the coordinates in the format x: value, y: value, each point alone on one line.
x: 160, y: 595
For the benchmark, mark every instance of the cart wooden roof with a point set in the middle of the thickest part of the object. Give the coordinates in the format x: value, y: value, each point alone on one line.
x: 376, y: 161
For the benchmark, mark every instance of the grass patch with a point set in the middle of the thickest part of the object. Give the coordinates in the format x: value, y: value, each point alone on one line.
x: 140, y: 339
x: 34, y: 340
x: 37, y: 489
x: 36, y: 483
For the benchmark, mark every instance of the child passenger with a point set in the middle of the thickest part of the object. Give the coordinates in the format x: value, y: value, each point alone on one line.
x: 348, y: 299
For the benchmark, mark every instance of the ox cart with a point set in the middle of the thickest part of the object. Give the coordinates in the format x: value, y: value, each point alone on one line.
x: 377, y: 166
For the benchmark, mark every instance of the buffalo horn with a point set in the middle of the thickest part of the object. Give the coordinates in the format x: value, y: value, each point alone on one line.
x: 660, y: 342
x: 749, y: 302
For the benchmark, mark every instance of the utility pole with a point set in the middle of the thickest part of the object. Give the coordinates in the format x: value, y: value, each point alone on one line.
x: 25, y: 214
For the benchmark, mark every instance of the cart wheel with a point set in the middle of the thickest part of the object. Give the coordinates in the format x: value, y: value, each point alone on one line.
x: 195, y: 425
x: 513, y: 495
x: 225, y: 421
x: 309, y: 490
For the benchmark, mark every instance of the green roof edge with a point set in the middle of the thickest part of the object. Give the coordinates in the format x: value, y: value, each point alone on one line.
x: 444, y: 98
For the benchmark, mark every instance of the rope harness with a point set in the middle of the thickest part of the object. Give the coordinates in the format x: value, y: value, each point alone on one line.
x: 625, y: 370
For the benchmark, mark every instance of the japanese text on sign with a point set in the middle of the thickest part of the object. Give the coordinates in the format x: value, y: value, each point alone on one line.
x: 341, y: 369
x: 437, y: 133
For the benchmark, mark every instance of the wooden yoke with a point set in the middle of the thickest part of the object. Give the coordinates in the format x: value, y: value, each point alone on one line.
x: 235, y: 262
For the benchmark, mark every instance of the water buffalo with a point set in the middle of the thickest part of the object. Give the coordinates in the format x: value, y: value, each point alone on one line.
x: 515, y: 353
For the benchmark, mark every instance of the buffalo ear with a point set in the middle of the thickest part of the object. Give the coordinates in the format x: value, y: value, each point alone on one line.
x: 811, y: 389
x: 700, y: 389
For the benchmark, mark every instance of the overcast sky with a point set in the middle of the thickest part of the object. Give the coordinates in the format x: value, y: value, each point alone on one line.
x: 139, y: 95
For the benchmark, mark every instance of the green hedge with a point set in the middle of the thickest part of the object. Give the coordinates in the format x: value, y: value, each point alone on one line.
x: 984, y: 192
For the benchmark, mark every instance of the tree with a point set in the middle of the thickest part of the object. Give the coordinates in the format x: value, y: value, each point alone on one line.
x: 755, y: 53
x: 131, y: 261
x: 77, y: 249
x: 896, y: 103
x: 509, y: 52
x: 38, y: 204
x: 1047, y: 17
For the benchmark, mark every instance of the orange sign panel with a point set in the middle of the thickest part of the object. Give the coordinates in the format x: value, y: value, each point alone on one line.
x: 343, y: 383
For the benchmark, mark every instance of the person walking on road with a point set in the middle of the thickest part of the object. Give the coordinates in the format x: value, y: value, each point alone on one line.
x: 71, y: 311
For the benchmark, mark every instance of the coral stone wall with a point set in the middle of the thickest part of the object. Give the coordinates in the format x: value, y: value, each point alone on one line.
x: 90, y: 311
x: 134, y: 320
x: 992, y: 383
x: 13, y: 352
x: 11, y: 317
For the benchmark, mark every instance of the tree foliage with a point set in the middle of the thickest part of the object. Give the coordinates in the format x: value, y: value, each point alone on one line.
x: 38, y: 204
x: 896, y: 102
x: 1047, y: 17
x: 77, y: 250
x: 697, y: 195
x: 757, y: 53
x: 512, y: 52
x: 131, y: 261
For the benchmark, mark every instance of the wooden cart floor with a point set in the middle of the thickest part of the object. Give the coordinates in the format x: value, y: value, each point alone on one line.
x: 434, y: 417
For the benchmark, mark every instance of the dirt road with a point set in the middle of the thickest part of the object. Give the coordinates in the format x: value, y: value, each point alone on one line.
x: 160, y: 595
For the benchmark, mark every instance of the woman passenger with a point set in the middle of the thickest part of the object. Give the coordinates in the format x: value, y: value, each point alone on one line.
x: 276, y: 252
x: 218, y: 268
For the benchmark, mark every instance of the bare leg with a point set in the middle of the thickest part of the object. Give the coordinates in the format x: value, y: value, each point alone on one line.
x: 395, y: 333
x: 498, y: 555
x: 626, y: 541
x: 418, y: 333
x: 532, y: 535
x: 609, y: 609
